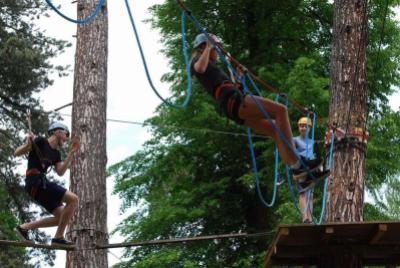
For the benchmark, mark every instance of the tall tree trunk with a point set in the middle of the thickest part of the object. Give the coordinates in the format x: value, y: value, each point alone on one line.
x: 348, y: 111
x: 88, y: 171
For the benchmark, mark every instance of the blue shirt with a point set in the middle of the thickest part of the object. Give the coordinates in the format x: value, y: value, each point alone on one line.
x: 304, y: 147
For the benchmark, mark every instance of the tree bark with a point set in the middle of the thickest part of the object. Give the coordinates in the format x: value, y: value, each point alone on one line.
x: 348, y: 111
x: 88, y: 171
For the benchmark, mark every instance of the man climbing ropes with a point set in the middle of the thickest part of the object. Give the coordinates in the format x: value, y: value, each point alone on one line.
x: 305, y: 148
x: 43, y: 153
x: 243, y: 109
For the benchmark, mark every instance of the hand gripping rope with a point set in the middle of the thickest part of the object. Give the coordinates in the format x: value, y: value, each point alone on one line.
x: 83, y: 21
x: 184, y: 45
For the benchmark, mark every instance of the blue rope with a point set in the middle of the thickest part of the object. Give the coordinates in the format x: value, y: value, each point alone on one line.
x: 254, y: 163
x: 84, y: 21
x: 184, y: 44
x: 308, y: 193
x: 330, y: 162
x: 272, y: 123
x: 255, y: 170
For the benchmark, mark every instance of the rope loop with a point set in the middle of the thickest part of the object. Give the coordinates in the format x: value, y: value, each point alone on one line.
x: 184, y: 45
x: 83, y: 21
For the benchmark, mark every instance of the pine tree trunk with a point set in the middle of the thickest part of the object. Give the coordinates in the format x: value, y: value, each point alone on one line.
x: 348, y: 111
x: 88, y: 172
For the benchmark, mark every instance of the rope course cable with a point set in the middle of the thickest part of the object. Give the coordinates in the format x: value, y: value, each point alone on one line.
x: 184, y: 240
x: 86, y: 20
x: 186, y: 57
x: 139, y: 243
x: 204, y: 130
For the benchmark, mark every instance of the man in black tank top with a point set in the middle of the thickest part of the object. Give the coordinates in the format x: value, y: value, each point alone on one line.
x: 42, y: 154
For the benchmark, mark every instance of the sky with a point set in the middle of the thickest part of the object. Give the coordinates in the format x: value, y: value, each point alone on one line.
x: 130, y: 97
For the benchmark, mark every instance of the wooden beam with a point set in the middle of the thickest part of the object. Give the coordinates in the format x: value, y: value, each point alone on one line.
x: 381, y: 230
x: 283, y: 231
x: 327, y: 235
x: 313, y: 251
x: 29, y: 244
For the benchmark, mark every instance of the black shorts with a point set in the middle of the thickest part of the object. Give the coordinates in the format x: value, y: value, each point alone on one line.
x: 229, y: 101
x: 46, y: 193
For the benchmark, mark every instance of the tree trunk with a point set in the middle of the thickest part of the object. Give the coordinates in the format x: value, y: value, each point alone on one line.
x: 348, y: 111
x: 88, y: 172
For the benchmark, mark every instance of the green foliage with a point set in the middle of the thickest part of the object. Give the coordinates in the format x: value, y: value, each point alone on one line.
x: 384, y: 134
x: 187, y: 181
x: 25, y: 53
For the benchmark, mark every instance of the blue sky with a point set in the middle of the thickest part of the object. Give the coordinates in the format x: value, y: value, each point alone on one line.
x: 129, y: 95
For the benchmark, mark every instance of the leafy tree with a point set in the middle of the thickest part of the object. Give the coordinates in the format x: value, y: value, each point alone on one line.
x: 188, y: 180
x: 25, y: 53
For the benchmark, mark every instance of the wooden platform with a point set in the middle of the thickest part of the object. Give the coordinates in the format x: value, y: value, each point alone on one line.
x: 377, y: 242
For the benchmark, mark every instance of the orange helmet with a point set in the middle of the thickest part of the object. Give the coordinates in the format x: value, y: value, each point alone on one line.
x: 304, y: 121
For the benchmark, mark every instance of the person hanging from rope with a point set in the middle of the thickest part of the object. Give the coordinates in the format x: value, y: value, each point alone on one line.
x: 42, y: 154
x: 305, y: 148
x: 243, y: 110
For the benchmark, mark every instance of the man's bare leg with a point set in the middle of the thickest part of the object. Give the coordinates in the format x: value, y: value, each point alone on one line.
x: 72, y: 202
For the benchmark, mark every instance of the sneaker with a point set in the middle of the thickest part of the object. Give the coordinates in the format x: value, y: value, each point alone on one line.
x: 312, y: 179
x: 23, y: 234
x: 317, y: 175
x: 61, y: 242
x: 305, y: 186
x: 313, y: 165
x: 307, y: 221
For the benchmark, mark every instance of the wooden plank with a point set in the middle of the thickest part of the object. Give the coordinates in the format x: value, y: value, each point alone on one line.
x: 283, y: 231
x: 327, y: 235
x: 377, y: 242
x: 380, y: 232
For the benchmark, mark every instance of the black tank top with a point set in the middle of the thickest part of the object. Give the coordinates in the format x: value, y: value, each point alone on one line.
x: 49, y: 156
x: 211, y: 78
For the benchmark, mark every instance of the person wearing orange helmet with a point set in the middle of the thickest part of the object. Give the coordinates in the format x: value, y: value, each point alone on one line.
x: 243, y: 109
x: 305, y: 148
